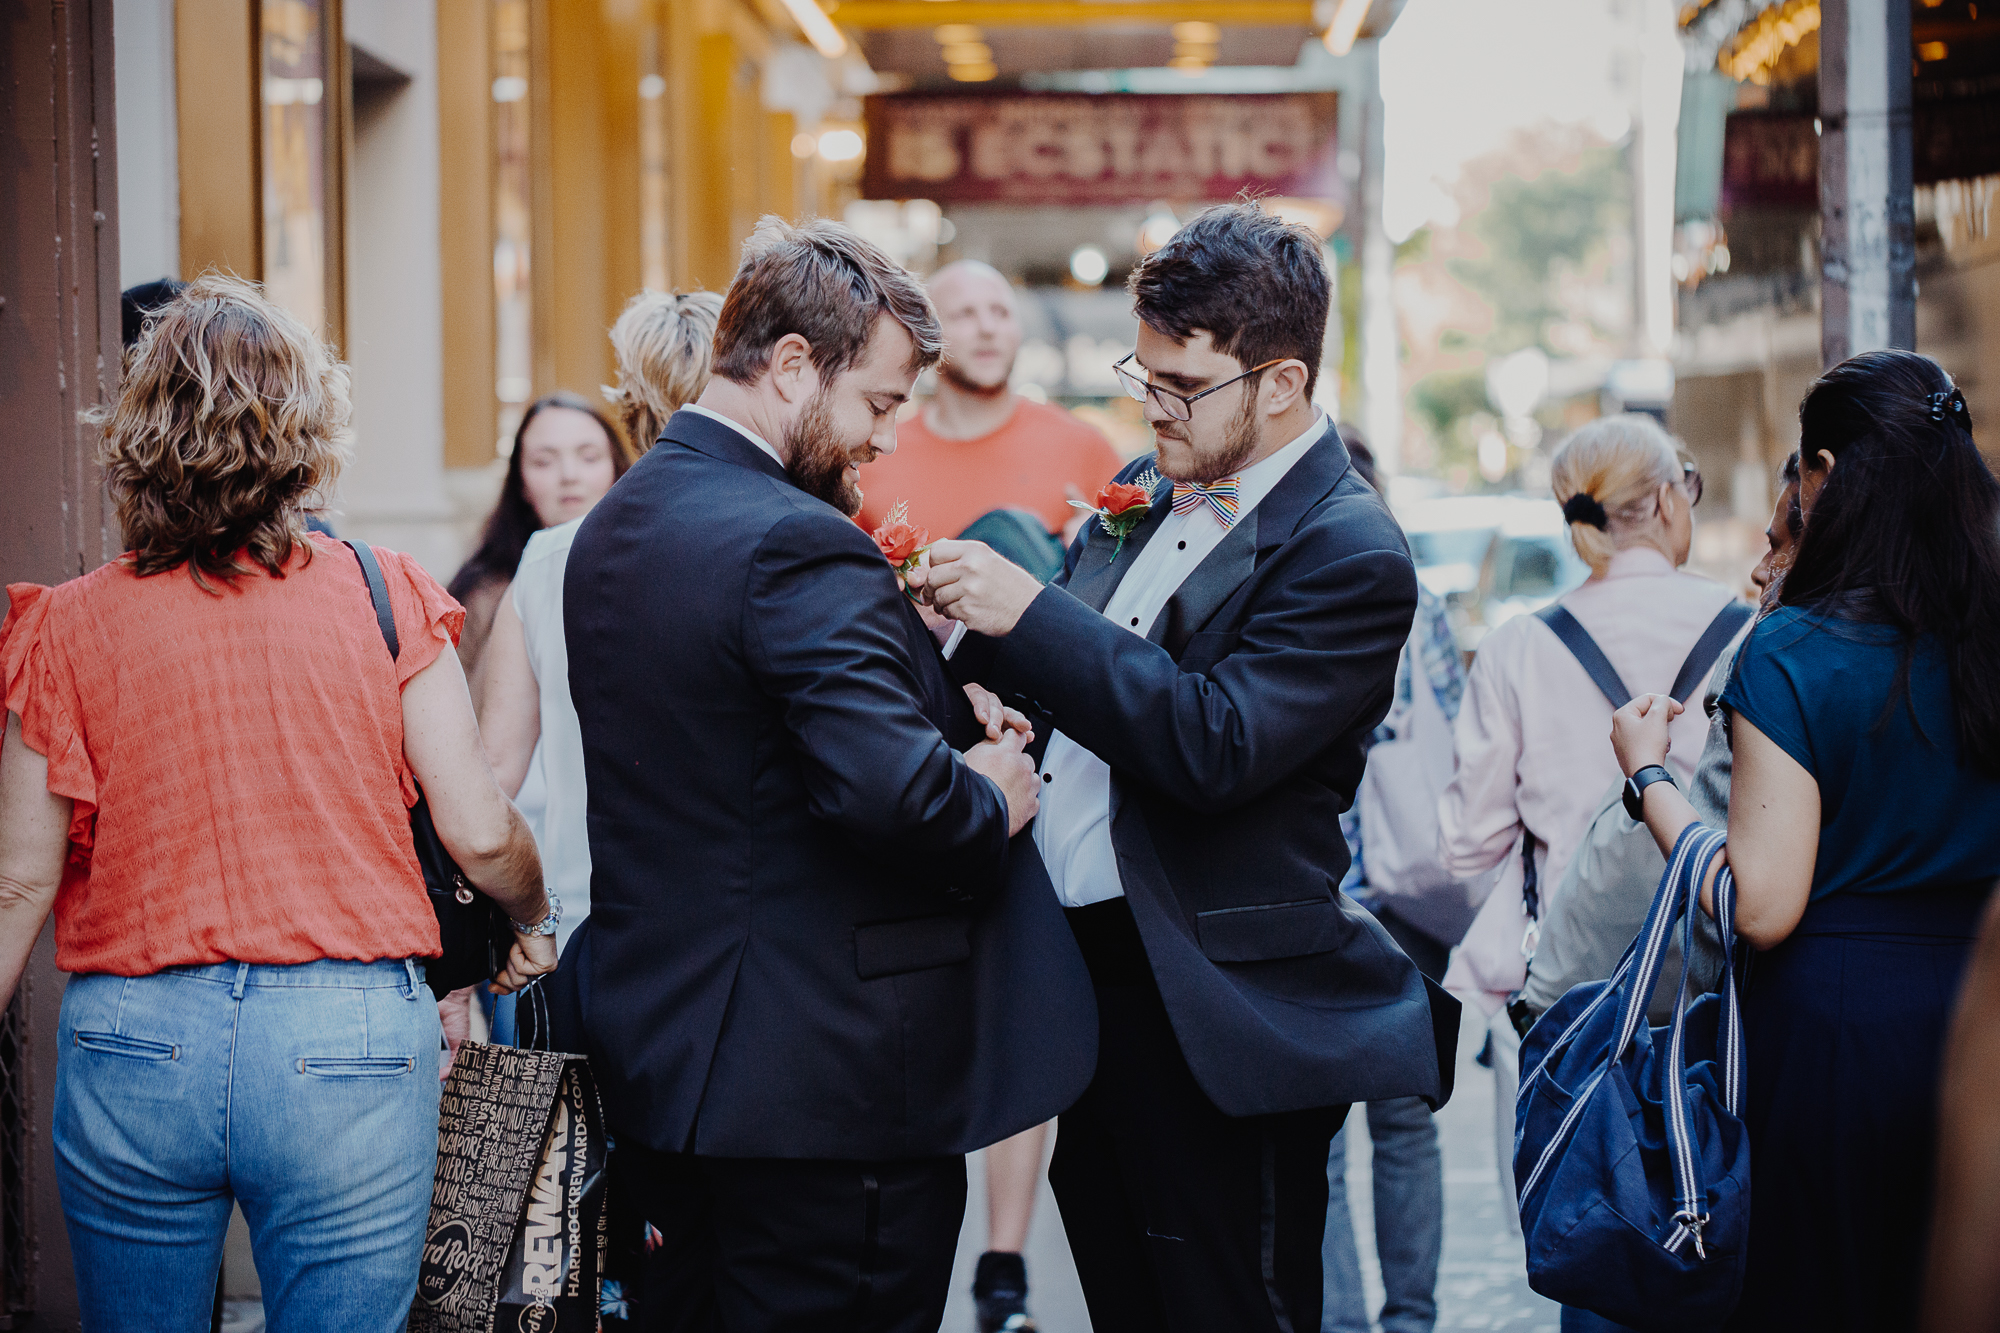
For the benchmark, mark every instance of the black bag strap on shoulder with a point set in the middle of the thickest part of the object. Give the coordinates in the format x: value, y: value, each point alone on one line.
x: 1709, y: 646
x: 1586, y: 652
x: 378, y: 595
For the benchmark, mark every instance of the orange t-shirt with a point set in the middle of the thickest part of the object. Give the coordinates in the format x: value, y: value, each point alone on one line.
x: 1026, y: 464
x: 235, y: 760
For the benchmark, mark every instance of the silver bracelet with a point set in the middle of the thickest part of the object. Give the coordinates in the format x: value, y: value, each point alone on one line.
x: 547, y: 925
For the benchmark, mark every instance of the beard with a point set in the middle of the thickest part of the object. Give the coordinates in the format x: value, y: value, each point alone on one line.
x: 1239, y: 441
x: 954, y: 374
x: 819, y: 460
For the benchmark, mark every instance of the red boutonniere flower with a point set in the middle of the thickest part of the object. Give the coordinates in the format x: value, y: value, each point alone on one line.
x: 1120, y: 508
x: 901, y: 542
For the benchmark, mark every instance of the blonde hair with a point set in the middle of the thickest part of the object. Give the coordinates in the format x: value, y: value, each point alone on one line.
x: 1619, y: 462
x: 231, y: 420
x: 665, y: 345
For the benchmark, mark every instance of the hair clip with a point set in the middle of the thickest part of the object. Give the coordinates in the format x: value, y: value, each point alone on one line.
x: 1950, y: 402
x: 1583, y: 507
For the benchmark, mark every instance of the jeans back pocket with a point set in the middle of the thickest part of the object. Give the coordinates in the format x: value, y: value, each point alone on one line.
x: 364, y: 1066
x: 132, y: 1048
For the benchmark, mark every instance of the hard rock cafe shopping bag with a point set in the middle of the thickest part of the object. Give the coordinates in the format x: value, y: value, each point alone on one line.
x: 517, y: 1234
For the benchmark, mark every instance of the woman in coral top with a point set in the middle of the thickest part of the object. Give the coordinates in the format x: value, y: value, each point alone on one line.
x: 209, y: 761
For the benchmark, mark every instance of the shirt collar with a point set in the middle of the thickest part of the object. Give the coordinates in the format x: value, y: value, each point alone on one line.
x: 738, y: 427
x: 1638, y: 562
x: 1258, y: 480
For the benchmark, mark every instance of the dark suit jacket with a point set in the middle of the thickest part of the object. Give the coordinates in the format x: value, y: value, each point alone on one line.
x: 809, y: 936
x: 1234, y: 734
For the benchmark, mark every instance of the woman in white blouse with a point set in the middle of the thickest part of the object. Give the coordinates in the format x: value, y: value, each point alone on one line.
x: 663, y: 345
x: 1533, y: 757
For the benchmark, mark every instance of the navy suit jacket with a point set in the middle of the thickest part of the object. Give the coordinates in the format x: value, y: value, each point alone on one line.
x: 809, y: 935
x: 1234, y: 731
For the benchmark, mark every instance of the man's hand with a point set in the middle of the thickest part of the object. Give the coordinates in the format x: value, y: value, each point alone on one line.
x: 532, y: 956
x: 971, y: 582
x: 995, y: 716
x: 1013, y: 773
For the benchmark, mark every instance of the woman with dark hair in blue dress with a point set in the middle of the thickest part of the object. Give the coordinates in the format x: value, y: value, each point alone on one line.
x: 1864, y: 833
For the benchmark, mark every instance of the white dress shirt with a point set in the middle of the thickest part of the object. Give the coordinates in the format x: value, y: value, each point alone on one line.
x: 738, y: 427
x: 562, y: 834
x: 1073, y: 830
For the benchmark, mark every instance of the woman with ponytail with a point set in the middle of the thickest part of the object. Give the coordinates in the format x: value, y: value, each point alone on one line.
x: 1864, y: 833
x: 1532, y: 764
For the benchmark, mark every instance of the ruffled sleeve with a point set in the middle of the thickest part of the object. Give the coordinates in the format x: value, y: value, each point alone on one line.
x: 36, y: 689
x: 428, y: 619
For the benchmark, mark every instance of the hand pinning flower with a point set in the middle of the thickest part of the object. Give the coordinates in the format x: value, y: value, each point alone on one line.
x: 902, y: 543
x: 1121, y: 507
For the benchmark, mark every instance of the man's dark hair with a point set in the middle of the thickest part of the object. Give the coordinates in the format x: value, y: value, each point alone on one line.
x: 1257, y: 284
x: 821, y: 281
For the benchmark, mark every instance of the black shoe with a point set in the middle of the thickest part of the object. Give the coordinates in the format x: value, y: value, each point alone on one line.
x: 1000, y: 1293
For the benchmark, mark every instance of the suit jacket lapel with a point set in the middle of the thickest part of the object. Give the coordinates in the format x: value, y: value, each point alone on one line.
x: 1203, y: 592
x: 1098, y: 571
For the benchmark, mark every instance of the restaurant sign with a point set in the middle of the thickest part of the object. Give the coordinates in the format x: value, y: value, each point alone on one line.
x: 1111, y: 148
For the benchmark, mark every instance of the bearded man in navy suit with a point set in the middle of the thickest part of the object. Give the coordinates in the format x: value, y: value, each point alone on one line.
x: 1209, y: 667
x: 819, y: 968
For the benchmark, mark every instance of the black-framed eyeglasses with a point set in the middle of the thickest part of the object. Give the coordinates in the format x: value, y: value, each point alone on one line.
x: 1179, y: 406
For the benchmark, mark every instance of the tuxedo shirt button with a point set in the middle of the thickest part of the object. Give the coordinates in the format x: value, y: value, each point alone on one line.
x: 1135, y: 620
x: 1048, y: 777
x: 1182, y: 546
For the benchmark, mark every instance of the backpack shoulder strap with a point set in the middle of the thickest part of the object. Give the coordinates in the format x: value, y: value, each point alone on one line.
x: 1586, y: 652
x: 1709, y: 647
x: 378, y: 594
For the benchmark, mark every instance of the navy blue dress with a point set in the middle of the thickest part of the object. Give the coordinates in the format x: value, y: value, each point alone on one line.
x: 1845, y: 1019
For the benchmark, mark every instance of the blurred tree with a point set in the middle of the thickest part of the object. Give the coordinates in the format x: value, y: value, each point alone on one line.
x: 1534, y: 228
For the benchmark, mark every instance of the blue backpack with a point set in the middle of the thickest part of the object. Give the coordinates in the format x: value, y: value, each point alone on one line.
x: 1631, y: 1164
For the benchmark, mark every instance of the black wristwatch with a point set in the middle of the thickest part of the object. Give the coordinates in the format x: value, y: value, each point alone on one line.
x: 1635, y: 789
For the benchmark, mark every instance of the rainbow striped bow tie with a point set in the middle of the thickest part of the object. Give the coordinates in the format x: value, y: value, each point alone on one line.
x: 1219, y: 496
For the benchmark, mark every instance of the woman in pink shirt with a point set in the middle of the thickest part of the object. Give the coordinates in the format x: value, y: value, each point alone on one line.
x: 1532, y: 754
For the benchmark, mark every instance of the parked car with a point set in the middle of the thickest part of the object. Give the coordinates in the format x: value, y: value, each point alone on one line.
x: 1491, y: 557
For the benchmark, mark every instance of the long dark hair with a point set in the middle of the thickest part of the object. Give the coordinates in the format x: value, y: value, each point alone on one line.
x: 513, y: 519
x: 1906, y: 529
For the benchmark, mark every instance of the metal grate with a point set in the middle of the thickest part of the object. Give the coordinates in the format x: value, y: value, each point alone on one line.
x: 15, y: 1233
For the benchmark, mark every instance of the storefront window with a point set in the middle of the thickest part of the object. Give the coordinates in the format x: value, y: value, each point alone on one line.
x: 513, y: 216
x: 292, y: 46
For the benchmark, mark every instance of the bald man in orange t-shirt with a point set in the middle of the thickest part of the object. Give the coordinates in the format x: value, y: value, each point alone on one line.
x: 977, y: 445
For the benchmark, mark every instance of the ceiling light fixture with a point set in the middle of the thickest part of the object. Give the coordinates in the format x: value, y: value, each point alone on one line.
x: 967, y: 57
x: 817, y: 27
x: 1346, y: 26
x: 1089, y: 265
x: 841, y: 145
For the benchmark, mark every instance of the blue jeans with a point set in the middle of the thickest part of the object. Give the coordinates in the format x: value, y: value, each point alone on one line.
x: 308, y: 1094
x: 1409, y: 1222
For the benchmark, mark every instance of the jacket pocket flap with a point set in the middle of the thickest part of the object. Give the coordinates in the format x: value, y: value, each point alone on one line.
x: 888, y: 947
x: 1265, y: 931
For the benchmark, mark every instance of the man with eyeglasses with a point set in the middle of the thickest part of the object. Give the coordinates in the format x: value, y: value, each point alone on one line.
x: 1209, y: 677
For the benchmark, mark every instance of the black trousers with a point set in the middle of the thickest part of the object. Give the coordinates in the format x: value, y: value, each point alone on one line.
x: 1181, y: 1218
x: 770, y: 1245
